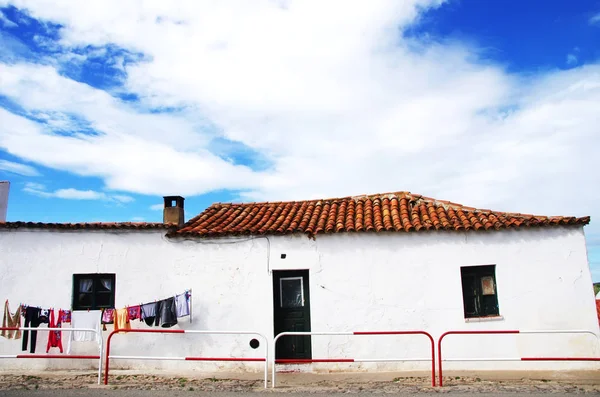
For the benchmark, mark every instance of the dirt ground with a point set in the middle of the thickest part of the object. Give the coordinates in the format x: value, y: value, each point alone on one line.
x: 307, y: 383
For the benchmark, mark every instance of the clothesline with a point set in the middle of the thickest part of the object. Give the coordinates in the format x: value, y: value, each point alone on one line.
x: 187, y: 291
x: 152, y: 311
x: 66, y: 318
x: 25, y: 305
x: 158, y: 300
x: 164, y: 311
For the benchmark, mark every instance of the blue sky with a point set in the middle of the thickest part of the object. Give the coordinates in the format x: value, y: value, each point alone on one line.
x: 105, y: 108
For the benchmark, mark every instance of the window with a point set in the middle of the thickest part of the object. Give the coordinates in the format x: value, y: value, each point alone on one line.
x: 93, y: 291
x: 291, y: 292
x: 480, y: 297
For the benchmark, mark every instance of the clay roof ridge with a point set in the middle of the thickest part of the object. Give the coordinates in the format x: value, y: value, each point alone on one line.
x: 317, y: 200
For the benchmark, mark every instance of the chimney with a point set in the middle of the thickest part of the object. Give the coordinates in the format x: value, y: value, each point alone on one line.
x: 173, y: 212
x: 4, y: 187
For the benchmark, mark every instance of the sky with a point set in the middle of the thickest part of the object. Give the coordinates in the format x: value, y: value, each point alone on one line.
x: 106, y: 106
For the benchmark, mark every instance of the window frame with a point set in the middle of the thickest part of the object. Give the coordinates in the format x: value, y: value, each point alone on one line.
x: 95, y: 277
x: 281, y: 280
x: 485, y: 306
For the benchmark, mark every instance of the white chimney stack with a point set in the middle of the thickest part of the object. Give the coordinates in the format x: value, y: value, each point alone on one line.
x: 4, y: 187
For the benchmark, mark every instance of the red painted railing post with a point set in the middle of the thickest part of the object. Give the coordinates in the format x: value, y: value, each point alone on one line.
x: 432, y: 359
x: 107, y: 357
x: 440, y: 380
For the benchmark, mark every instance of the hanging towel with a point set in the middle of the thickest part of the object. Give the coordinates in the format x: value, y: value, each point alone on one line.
x: 122, y: 319
x: 11, y: 320
x: 54, y: 337
x: 182, y: 302
x: 85, y: 319
x: 134, y: 312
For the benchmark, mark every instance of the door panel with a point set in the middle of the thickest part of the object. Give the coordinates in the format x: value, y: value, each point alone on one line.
x: 291, y: 306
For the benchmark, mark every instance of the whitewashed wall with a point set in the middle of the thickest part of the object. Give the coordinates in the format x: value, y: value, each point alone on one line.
x: 358, y: 282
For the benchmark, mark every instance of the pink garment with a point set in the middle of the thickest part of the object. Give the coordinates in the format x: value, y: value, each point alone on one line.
x: 108, y: 316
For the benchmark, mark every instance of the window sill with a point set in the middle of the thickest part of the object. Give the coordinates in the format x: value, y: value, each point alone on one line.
x: 483, y: 319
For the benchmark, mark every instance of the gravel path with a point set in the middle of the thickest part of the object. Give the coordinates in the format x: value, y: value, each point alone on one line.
x: 179, y: 393
x: 407, y: 385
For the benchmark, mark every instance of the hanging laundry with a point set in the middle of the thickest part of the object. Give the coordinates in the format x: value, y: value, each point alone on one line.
x: 54, y: 337
x: 158, y: 309
x: 182, y: 302
x: 108, y: 316
x: 44, y: 316
x: 85, y: 319
x: 168, y: 313
x: 65, y: 316
x: 148, y: 313
x: 11, y: 320
x: 32, y: 319
x: 134, y: 312
x: 122, y: 319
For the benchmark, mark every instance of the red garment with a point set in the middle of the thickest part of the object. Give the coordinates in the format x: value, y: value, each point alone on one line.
x: 55, y: 337
x: 66, y: 316
x: 134, y: 312
x: 598, y: 309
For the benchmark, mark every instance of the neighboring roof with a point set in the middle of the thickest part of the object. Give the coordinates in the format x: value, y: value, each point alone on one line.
x: 86, y: 226
x: 391, y: 212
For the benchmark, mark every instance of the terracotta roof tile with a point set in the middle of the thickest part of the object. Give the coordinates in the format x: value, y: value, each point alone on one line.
x: 393, y: 212
x: 87, y: 226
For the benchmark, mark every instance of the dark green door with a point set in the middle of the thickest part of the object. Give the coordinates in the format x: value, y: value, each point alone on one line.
x: 291, y: 304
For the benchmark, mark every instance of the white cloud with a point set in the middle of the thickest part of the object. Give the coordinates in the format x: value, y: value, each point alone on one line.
x: 34, y: 186
x: 7, y: 23
x: 18, y: 168
x: 157, y: 207
x: 595, y: 19
x: 346, y: 106
x: 138, y: 219
x: 74, y: 194
x: 139, y: 161
x: 122, y: 198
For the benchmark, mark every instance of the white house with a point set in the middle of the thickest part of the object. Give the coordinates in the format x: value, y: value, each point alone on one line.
x: 383, y: 262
